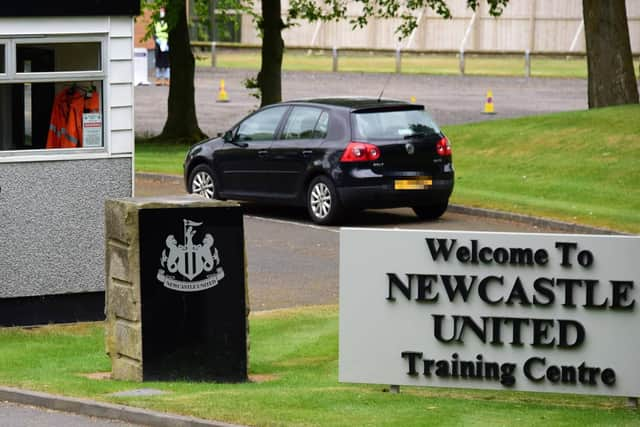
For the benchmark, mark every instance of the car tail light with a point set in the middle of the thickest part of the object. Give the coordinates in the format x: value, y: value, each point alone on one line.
x: 443, y: 147
x: 360, y: 152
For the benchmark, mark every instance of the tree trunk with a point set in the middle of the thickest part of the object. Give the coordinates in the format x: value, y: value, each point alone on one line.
x: 269, y: 76
x: 182, y: 123
x: 609, y: 62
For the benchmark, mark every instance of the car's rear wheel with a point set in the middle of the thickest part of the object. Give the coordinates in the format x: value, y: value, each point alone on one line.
x: 322, y: 201
x: 431, y: 211
x: 202, y: 182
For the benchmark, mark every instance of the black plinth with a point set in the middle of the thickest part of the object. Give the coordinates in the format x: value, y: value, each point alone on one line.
x: 193, y: 294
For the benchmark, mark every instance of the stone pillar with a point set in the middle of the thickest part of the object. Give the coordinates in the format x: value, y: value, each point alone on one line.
x: 176, y: 297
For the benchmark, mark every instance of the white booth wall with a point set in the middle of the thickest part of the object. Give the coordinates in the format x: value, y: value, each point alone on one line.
x: 52, y: 200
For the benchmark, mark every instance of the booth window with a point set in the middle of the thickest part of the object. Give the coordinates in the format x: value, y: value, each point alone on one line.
x: 57, y: 57
x: 53, y: 98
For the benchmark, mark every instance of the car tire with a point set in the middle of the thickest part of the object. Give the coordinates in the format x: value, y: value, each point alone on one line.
x: 202, y: 182
x: 323, y: 204
x: 431, y: 211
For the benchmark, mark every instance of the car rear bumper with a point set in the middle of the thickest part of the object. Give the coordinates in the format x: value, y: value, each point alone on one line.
x: 385, y: 196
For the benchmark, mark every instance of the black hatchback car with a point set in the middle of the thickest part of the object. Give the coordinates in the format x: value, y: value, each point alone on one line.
x: 331, y: 155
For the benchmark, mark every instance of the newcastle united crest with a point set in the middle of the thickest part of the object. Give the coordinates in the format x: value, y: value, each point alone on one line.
x: 190, y: 266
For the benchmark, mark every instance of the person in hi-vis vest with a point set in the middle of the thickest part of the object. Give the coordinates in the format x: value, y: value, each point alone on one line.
x: 161, y: 36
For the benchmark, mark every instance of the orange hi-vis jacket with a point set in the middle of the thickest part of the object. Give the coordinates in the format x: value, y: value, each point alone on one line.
x: 58, y: 123
x: 65, y: 127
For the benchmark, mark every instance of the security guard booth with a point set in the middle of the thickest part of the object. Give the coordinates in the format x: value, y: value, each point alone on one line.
x: 66, y: 145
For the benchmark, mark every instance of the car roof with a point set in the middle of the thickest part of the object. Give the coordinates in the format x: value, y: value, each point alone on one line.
x: 357, y: 103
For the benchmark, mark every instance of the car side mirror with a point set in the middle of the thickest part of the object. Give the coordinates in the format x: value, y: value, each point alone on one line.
x: 228, y: 136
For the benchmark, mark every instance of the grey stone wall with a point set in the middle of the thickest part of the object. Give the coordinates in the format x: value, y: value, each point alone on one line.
x: 123, y: 330
x: 52, y: 224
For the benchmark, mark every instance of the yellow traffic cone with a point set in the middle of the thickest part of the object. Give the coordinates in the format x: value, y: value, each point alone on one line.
x: 488, y: 104
x: 222, y: 93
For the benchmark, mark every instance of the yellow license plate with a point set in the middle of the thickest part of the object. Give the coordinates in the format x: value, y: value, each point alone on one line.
x: 417, y: 183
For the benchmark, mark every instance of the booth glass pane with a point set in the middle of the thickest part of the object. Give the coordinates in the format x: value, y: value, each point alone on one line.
x: 2, y: 60
x: 51, y: 115
x: 58, y: 57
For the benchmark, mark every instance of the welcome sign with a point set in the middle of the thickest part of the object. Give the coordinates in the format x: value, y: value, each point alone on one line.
x: 534, y: 312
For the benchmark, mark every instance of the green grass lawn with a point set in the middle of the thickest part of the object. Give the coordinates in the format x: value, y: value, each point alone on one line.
x: 164, y: 158
x: 294, y: 364
x: 411, y: 64
x: 578, y: 166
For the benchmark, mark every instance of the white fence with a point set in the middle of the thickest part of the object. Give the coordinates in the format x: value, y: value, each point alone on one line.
x: 526, y: 25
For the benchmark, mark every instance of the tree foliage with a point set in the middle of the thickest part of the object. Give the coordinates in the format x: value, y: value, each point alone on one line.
x: 406, y: 10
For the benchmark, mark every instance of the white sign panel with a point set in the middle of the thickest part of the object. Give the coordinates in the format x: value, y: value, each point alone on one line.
x: 92, y: 130
x: 535, y: 312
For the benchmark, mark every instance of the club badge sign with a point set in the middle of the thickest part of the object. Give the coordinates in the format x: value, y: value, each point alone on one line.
x: 193, y: 293
x: 190, y: 261
x: 531, y: 312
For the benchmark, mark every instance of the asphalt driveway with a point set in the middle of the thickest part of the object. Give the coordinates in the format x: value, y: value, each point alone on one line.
x: 292, y: 262
x: 451, y: 99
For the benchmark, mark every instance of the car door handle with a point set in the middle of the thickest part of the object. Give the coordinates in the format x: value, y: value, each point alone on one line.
x: 307, y: 153
x: 263, y: 153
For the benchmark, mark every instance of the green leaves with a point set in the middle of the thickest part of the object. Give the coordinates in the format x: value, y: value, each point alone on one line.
x: 408, y: 11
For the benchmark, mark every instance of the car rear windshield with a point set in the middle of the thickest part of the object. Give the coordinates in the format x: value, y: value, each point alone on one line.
x: 392, y: 124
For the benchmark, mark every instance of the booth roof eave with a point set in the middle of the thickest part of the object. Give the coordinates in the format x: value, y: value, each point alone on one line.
x: 30, y: 8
